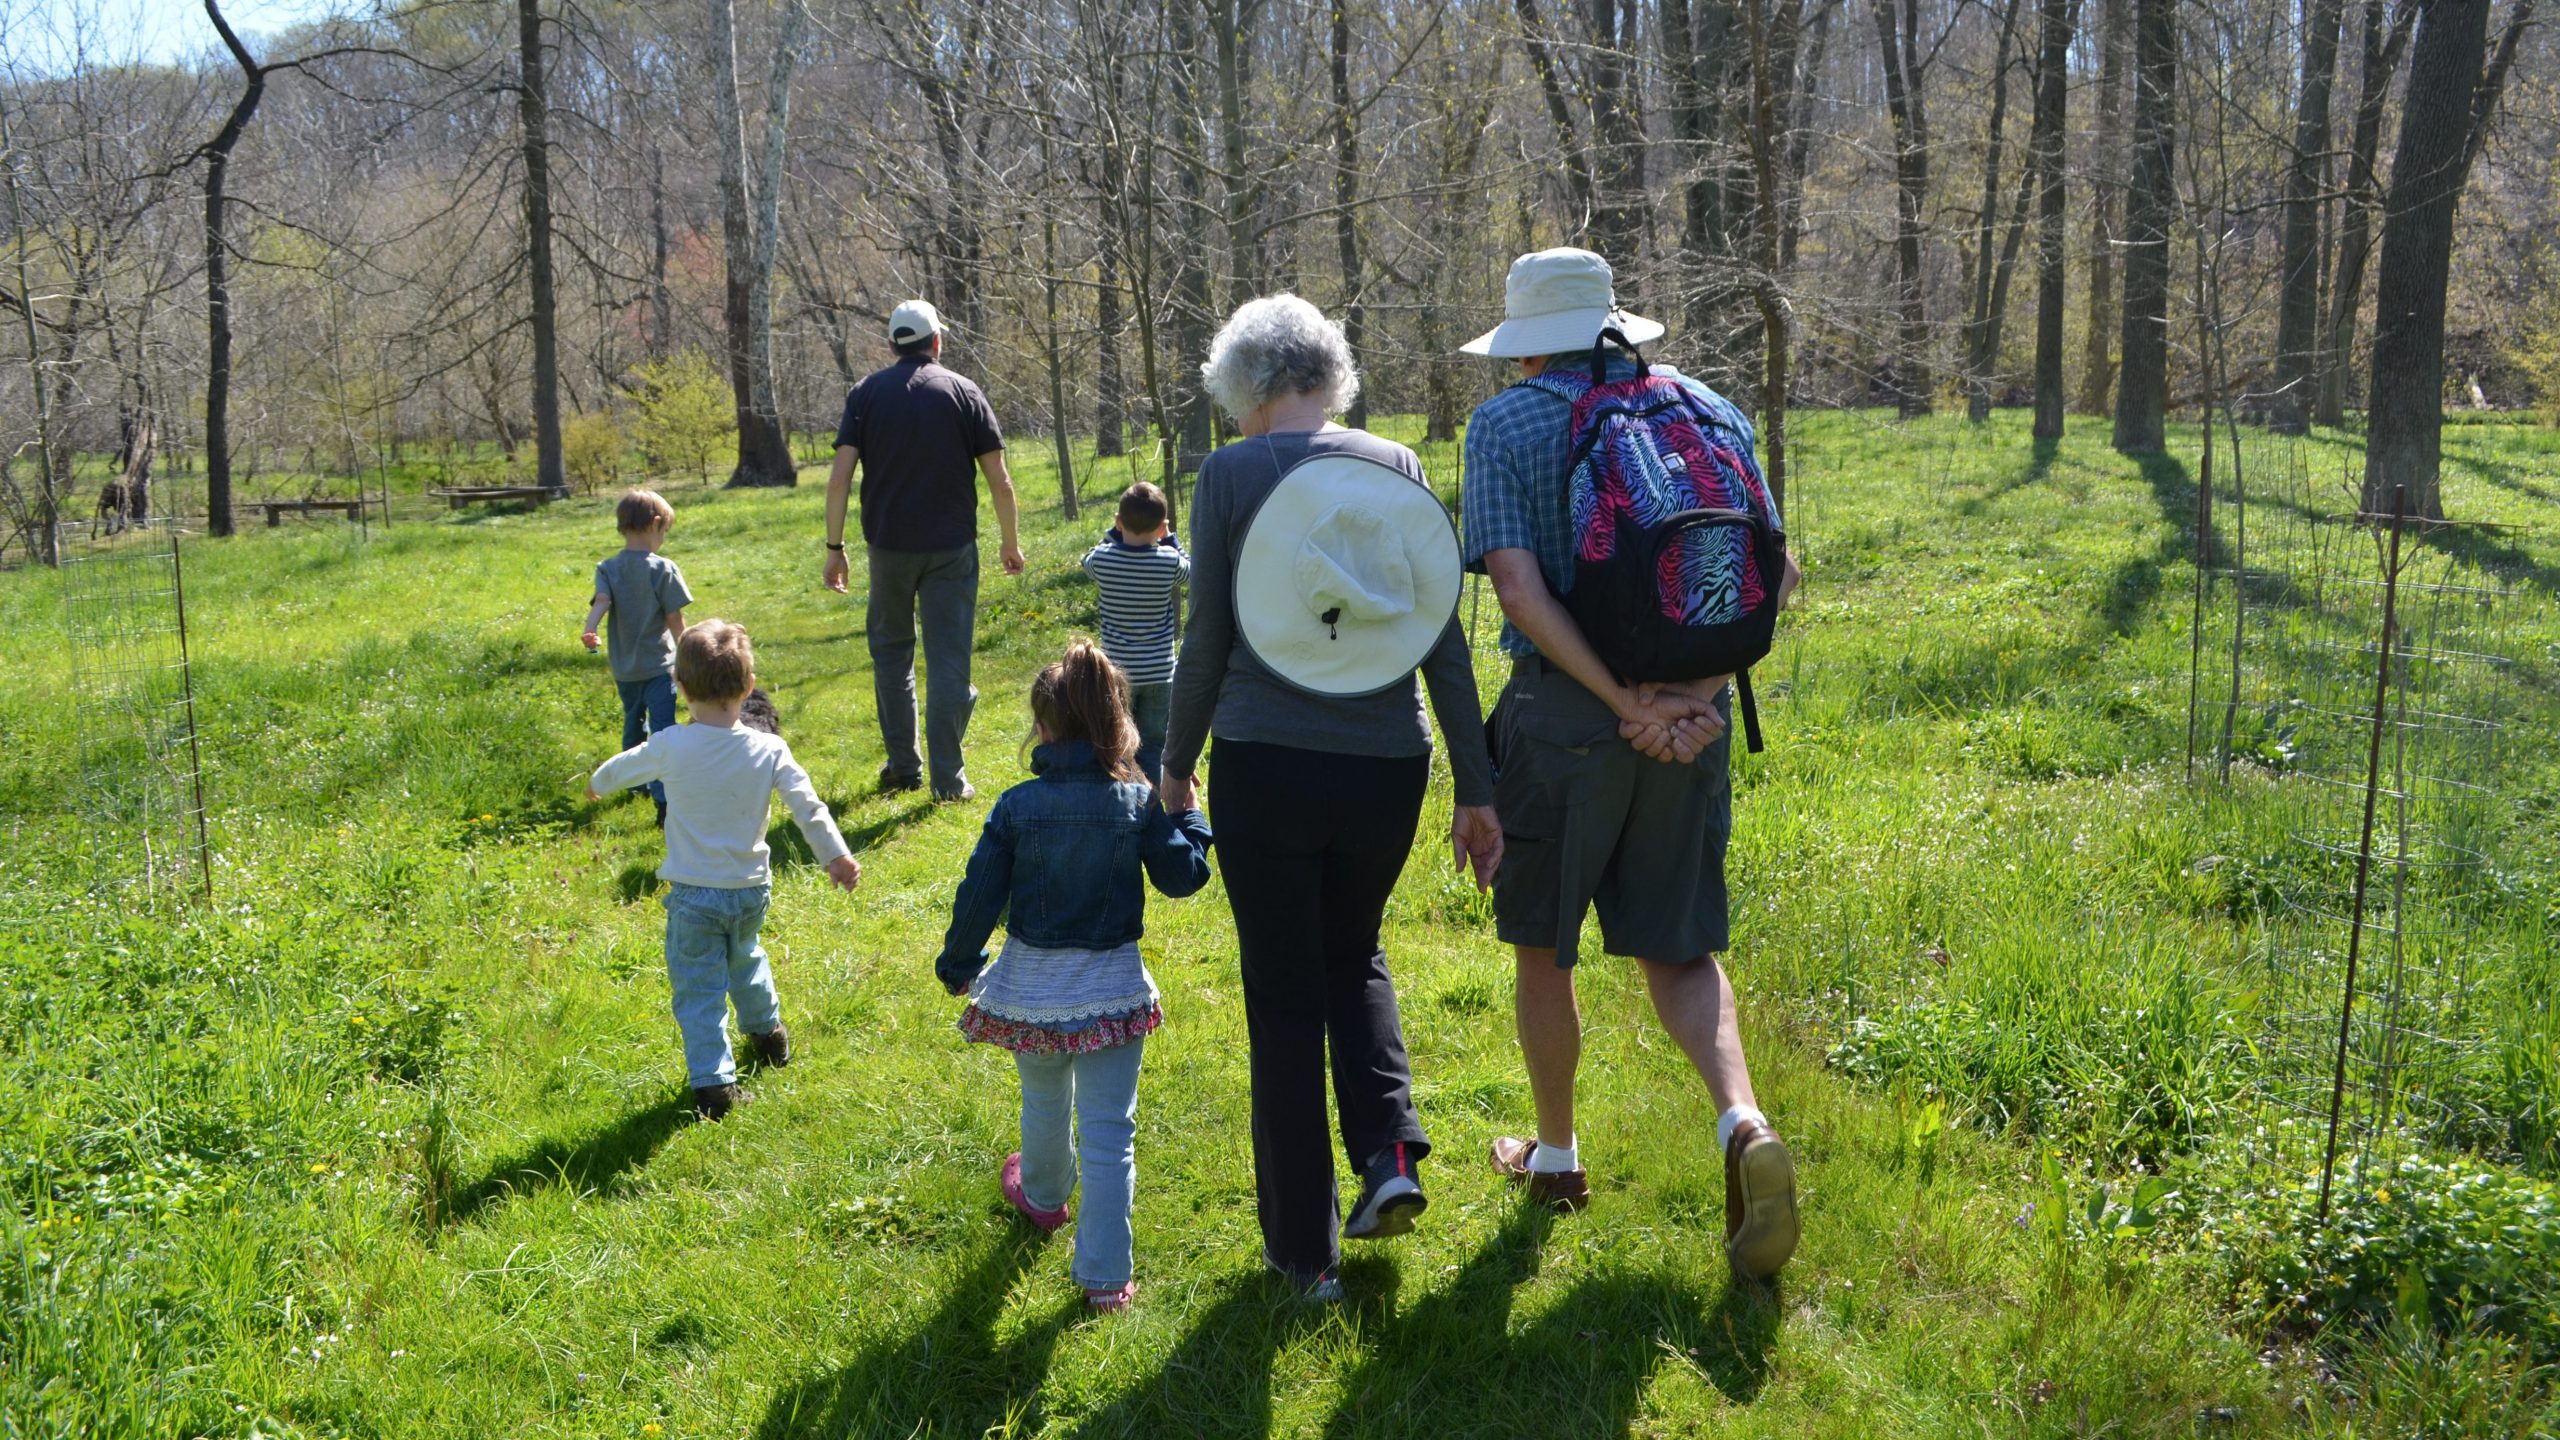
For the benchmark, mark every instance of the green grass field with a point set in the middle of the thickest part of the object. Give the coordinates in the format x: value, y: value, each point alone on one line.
x: 391, y: 1139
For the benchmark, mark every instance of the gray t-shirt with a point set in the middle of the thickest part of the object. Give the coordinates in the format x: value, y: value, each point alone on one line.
x: 1221, y: 687
x: 640, y: 589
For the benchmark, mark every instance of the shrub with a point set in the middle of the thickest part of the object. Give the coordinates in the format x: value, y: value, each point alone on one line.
x: 591, y: 450
x: 686, y: 412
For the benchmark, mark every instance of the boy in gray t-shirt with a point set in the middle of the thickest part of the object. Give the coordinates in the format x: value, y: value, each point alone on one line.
x: 644, y: 595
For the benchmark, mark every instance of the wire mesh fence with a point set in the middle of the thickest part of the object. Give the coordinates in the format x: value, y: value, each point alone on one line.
x: 137, y: 793
x: 2377, y: 688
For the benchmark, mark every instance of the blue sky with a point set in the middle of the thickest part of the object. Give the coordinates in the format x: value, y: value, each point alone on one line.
x: 39, y: 31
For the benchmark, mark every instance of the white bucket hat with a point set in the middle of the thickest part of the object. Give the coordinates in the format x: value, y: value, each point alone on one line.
x: 1557, y: 302
x: 1347, y: 576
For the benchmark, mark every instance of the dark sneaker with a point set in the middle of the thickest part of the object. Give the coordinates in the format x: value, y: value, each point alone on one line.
x: 1563, y: 1191
x: 713, y: 1101
x: 966, y: 791
x: 892, y: 781
x: 1390, y: 1197
x: 1322, y: 1288
x: 1760, y: 1224
x: 772, y: 1048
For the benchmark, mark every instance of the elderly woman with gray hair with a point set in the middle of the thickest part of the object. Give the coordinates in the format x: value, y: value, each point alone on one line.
x: 1320, y: 767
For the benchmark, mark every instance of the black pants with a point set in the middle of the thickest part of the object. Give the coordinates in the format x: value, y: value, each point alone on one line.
x: 1310, y: 845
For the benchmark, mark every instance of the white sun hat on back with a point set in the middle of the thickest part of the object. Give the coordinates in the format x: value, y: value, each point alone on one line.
x: 1347, y: 576
x: 1557, y: 302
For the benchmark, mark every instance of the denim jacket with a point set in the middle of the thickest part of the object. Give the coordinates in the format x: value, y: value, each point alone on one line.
x: 1060, y: 858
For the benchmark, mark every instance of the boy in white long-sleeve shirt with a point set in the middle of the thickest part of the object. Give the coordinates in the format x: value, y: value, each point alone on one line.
x: 720, y: 779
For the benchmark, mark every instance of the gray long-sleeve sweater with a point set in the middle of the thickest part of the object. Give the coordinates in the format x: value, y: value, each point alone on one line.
x: 1221, y: 688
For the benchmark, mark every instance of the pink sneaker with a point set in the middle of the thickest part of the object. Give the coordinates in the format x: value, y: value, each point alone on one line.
x: 1011, y: 1181
x: 1114, y: 1300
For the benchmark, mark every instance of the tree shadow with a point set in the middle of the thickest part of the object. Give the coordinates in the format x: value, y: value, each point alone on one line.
x: 581, y: 1165
x: 790, y: 851
x: 942, y: 1375
x: 638, y: 881
x: 2040, y: 463
x: 1217, y: 1381
x: 1453, y: 1366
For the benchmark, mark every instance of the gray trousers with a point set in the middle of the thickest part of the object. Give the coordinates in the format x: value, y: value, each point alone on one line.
x: 940, y: 588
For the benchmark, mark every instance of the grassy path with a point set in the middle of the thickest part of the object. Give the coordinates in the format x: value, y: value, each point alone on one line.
x: 392, y: 1143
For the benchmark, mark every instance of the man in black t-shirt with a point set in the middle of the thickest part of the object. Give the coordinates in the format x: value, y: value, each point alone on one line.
x: 919, y: 431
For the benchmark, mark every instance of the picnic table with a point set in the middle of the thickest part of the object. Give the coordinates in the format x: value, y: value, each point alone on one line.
x: 276, y: 509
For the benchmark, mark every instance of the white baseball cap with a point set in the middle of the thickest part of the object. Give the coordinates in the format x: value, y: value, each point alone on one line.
x: 1557, y: 302
x: 912, y: 321
x: 1346, y: 576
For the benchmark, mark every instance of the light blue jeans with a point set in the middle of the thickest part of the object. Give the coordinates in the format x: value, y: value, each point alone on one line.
x: 1101, y: 1088
x: 713, y: 958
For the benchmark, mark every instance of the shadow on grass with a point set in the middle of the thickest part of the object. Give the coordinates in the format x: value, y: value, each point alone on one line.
x: 581, y: 1165
x: 638, y: 881
x: 1217, y: 1381
x: 1454, y: 1366
x: 945, y: 1374
x: 790, y: 851
x: 2039, y: 465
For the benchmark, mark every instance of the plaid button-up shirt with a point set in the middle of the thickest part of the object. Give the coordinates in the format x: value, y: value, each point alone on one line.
x: 1519, y: 446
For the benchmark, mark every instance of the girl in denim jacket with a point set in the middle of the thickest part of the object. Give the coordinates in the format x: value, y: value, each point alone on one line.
x: 1059, y: 863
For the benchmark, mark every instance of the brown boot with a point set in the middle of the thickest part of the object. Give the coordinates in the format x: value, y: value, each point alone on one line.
x: 1760, y: 1223
x: 713, y: 1101
x: 772, y: 1048
x: 1563, y: 1191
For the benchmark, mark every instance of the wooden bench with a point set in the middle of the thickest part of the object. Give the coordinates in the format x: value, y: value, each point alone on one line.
x: 457, y: 496
x: 275, y: 508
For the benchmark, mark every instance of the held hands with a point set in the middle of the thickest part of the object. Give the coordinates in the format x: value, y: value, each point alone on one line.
x: 845, y: 871
x: 1673, y: 722
x: 1179, y: 793
x: 1475, y: 842
x: 837, y: 571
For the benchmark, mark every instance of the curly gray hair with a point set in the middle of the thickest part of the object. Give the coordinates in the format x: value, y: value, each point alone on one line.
x: 1275, y: 346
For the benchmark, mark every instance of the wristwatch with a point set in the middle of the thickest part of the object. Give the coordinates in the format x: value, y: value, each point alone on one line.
x: 836, y: 545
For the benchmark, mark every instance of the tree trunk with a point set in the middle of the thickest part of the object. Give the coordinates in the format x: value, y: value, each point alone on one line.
x: 1617, y: 135
x: 1110, y: 384
x: 1569, y: 152
x: 1191, y: 318
x: 2052, y: 72
x: 1981, y: 349
x: 764, y: 455
x: 2404, y: 416
x: 2097, y: 364
x: 661, y: 305
x: 1068, y: 501
x: 1346, y: 191
x: 44, y: 537
x: 1900, y: 48
x: 2142, y: 389
x: 217, y: 279
x: 2306, y: 182
x: 533, y: 111
x: 2381, y: 60
x: 1769, y: 198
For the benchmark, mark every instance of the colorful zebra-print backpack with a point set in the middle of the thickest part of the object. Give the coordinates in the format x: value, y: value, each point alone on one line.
x: 1678, y: 550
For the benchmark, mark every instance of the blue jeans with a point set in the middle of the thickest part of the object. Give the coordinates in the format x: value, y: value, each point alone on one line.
x: 1151, y: 706
x: 713, y: 958
x: 1101, y: 1087
x: 648, y: 706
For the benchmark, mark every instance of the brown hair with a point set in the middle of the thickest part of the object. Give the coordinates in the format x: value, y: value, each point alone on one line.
x: 715, y: 663
x: 641, y: 509
x: 1083, y: 696
x: 1142, y: 508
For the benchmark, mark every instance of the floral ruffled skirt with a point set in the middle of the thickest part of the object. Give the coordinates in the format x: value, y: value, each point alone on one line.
x: 1026, y: 1037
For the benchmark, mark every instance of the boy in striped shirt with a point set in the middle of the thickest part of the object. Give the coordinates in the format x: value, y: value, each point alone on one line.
x: 1136, y: 567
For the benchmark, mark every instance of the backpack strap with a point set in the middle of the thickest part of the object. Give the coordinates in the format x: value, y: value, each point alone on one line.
x: 1600, y: 354
x: 1750, y: 711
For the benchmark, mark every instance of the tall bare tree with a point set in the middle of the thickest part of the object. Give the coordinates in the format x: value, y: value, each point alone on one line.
x: 2306, y: 183
x: 750, y: 227
x: 2142, y: 387
x: 1905, y: 88
x: 533, y: 110
x: 2052, y: 74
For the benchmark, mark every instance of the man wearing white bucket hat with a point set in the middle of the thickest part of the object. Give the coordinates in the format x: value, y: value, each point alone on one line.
x: 1609, y: 793
x: 921, y: 435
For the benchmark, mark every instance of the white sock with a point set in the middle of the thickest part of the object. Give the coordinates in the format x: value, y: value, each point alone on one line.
x: 1731, y: 1120
x: 1554, y: 1159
